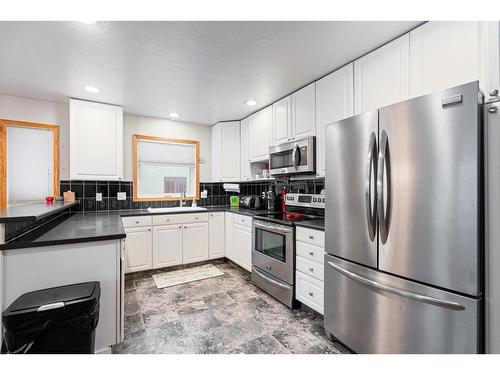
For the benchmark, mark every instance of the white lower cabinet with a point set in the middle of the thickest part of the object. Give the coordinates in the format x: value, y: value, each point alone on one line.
x: 138, y: 246
x: 195, y: 242
x: 241, y: 246
x: 216, y: 237
x: 310, y: 250
x: 228, y: 225
x: 167, y: 245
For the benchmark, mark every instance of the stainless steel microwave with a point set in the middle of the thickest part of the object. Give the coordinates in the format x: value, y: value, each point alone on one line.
x: 293, y: 157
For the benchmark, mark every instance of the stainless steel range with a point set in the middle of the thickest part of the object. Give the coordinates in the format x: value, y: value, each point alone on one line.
x: 273, y: 245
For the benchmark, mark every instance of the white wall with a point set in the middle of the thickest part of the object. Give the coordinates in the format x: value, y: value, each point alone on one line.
x: 22, y: 109
x: 133, y: 124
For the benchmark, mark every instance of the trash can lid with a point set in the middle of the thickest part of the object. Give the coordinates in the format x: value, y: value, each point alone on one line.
x: 68, y: 295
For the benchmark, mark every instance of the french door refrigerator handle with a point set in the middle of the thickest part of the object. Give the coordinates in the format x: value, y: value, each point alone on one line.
x: 400, y: 292
x: 371, y: 210
x: 384, y: 213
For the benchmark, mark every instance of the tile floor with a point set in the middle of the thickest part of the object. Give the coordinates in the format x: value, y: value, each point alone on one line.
x: 225, y: 314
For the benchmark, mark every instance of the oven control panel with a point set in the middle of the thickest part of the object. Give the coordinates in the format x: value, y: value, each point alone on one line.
x: 305, y: 200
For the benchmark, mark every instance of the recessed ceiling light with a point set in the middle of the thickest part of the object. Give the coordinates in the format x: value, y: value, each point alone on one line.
x: 250, y: 102
x: 89, y: 22
x: 174, y: 115
x: 91, y: 89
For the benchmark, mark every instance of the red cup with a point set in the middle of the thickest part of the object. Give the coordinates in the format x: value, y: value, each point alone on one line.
x: 49, y: 200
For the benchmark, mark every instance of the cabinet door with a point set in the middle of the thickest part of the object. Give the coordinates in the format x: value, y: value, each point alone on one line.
x: 138, y: 249
x: 167, y: 245
x: 244, y: 156
x: 334, y: 102
x: 216, y: 239
x: 242, y: 246
x: 216, y: 153
x: 304, y: 112
x: 96, y: 138
x: 282, y: 121
x: 195, y: 242
x: 230, y: 138
x: 259, y: 131
x: 228, y: 228
x: 447, y: 54
x: 382, y: 77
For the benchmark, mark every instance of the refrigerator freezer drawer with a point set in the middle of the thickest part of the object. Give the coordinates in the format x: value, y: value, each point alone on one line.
x: 372, y: 312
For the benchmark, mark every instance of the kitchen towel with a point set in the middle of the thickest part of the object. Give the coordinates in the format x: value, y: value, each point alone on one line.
x: 232, y: 187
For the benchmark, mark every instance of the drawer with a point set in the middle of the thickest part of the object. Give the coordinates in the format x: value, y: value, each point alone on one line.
x: 136, y: 221
x: 309, y: 291
x: 242, y: 220
x: 215, y: 214
x: 311, y: 236
x: 310, y: 252
x: 310, y: 268
x: 180, y: 219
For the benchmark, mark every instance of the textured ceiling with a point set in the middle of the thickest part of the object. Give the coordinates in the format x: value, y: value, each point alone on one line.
x: 203, y: 70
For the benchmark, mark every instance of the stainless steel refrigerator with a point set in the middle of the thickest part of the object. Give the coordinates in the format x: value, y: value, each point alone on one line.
x: 404, y: 226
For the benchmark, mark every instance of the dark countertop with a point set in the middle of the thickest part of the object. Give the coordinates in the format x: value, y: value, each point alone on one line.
x: 32, y: 211
x: 93, y: 226
x: 318, y: 224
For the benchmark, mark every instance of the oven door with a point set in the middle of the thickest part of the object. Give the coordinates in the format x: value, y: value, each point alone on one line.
x: 272, y: 249
x: 294, y: 157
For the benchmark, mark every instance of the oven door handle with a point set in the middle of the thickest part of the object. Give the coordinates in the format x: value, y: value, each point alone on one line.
x: 274, y: 282
x: 272, y: 227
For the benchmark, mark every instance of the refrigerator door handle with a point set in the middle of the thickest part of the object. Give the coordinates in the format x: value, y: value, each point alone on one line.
x: 384, y: 213
x: 400, y: 292
x: 371, y: 210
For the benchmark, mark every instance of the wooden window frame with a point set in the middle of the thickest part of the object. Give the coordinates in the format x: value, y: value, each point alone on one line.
x: 135, y: 139
x: 4, y: 123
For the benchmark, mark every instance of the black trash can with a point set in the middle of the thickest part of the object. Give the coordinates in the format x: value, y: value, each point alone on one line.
x: 55, y: 320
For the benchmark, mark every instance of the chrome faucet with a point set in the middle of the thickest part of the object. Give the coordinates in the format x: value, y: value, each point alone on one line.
x: 182, y: 202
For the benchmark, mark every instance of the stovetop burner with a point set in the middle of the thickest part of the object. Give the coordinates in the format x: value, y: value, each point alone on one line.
x: 286, y: 218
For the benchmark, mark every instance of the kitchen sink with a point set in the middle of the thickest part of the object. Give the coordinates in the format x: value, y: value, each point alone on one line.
x: 176, y: 209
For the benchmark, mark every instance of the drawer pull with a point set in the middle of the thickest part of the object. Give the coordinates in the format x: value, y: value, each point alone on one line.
x: 168, y: 220
x: 268, y: 267
x: 137, y: 221
x: 311, y: 237
x: 180, y: 226
x: 311, y: 269
x: 149, y: 229
x: 311, y: 253
x: 196, y: 218
x: 311, y: 294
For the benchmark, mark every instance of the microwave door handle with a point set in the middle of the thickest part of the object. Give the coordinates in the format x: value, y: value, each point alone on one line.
x: 397, y: 291
x: 384, y: 208
x: 296, y: 156
x: 371, y: 210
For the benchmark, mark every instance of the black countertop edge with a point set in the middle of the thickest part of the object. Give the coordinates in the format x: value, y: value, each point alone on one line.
x: 32, y: 211
x: 318, y: 224
x: 25, y: 245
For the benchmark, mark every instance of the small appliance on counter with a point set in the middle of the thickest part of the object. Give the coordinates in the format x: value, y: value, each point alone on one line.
x: 246, y: 201
x: 273, y: 245
x: 258, y: 203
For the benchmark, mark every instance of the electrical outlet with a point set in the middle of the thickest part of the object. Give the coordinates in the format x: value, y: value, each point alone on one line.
x: 98, y: 197
x: 121, y: 196
x: 204, y: 194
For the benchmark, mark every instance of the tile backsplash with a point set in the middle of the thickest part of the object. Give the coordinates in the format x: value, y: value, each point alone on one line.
x: 85, y: 192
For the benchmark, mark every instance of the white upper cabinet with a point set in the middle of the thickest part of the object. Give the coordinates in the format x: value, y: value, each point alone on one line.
x: 96, y: 141
x: 294, y: 116
x: 244, y: 155
x: 226, y: 151
x: 259, y: 134
x: 282, y: 120
x: 447, y: 54
x: 334, y: 102
x: 382, y: 77
x: 304, y: 112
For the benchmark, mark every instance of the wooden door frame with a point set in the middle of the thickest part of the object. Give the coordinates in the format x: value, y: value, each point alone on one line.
x: 4, y: 123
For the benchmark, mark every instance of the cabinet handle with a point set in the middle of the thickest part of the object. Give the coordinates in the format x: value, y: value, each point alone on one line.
x: 185, y: 226
x: 311, y: 294
x: 311, y: 237
x: 168, y: 220
x: 149, y: 229
x: 196, y: 218
x: 311, y: 253
x: 180, y: 226
x: 311, y: 269
x: 137, y: 221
